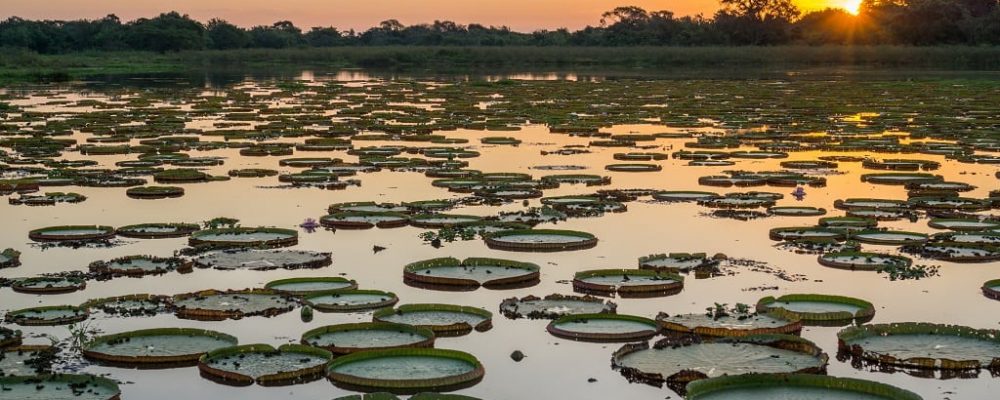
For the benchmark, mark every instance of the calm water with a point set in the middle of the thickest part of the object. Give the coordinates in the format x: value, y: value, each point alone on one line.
x: 554, y: 368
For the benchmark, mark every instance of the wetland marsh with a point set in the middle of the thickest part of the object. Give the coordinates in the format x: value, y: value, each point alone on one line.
x: 346, y: 178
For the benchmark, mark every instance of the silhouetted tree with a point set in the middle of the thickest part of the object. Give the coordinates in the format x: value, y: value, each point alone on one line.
x: 739, y: 22
x: 323, y: 37
x: 281, y: 34
x: 756, y: 22
x: 167, y: 32
x: 223, y: 35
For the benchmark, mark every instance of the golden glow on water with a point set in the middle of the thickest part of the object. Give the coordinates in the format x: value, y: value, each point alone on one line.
x: 554, y: 368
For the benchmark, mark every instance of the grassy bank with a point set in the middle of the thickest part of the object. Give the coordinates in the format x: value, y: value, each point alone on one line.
x: 20, y: 65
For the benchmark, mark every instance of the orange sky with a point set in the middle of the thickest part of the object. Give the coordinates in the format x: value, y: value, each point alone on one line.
x: 522, y: 15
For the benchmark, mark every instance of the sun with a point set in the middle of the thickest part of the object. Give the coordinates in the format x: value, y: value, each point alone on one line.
x: 852, y: 6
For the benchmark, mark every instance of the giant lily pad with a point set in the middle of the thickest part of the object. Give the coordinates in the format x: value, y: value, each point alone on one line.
x: 406, y: 370
x: 443, y: 319
x: 49, y: 285
x: 157, y: 230
x: 628, y: 282
x: 540, y: 240
x: 364, y: 220
x: 963, y: 224
x: 350, y: 300
x: 47, y: 315
x: 213, y: 305
x: 678, y: 362
x: 886, y: 237
x: 164, y: 347
x: 731, y: 325
x: 139, y: 265
x: 365, y: 336
x: 854, y: 260
x: 472, y: 273
x: 819, y: 309
x: 72, y: 233
x: 304, y: 286
x: 260, y: 260
x: 761, y: 387
x: 58, y: 387
x: 26, y: 360
x: 130, y: 305
x: 265, y: 365
x: 676, y: 262
x: 554, y: 306
x: 604, y: 328
x: 269, y: 237
x: 923, y: 346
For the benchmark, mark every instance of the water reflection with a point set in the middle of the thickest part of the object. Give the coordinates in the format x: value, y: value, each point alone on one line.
x: 554, y: 368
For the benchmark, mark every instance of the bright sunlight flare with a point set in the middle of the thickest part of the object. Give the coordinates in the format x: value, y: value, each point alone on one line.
x: 852, y: 6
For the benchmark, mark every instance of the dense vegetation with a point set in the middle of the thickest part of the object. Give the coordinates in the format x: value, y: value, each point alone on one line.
x: 738, y: 22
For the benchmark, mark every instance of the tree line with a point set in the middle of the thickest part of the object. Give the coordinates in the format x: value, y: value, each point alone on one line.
x: 737, y: 22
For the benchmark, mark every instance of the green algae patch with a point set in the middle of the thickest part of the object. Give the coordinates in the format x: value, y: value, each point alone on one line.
x: 265, y: 365
x: 406, y: 370
x: 366, y: 336
x: 163, y: 347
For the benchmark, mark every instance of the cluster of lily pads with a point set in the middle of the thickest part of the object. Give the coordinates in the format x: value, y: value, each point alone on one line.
x: 327, y: 135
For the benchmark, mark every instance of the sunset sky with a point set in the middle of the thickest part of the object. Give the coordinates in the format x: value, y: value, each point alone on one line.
x: 522, y: 15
